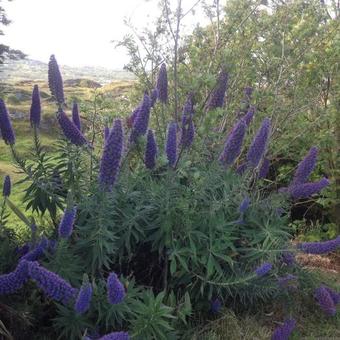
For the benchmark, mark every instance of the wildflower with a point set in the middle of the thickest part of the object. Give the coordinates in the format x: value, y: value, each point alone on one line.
x: 264, y: 169
x: 116, y: 336
x: 115, y: 289
x: 150, y: 151
x: 263, y: 269
x: 153, y: 97
x: 6, y: 190
x: 141, y: 122
x: 244, y: 205
x: 216, y: 98
x: 23, y: 250
x: 132, y: 118
x: 51, y: 284
x: 305, y: 167
x: 288, y: 258
x: 162, y: 84
x: 248, y: 117
x: 190, y: 133
x: 171, y: 144
x: 325, y: 301
x: 13, y: 281
x: 215, y: 306
x: 75, y: 116
x: 35, y: 112
x: 233, y: 144
x: 320, y: 247
x: 70, y: 130
x: 259, y: 144
x: 6, y: 129
x: 66, y: 223
x: 55, y: 81
x: 307, y: 189
x: 111, y: 157
x: 283, y: 332
x: 37, y: 252
x: 188, y: 127
x: 83, y: 300
x: 334, y: 295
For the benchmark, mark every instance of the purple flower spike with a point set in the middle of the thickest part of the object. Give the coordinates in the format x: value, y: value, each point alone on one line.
x: 133, y: 116
x: 55, y: 81
x: 11, y: 282
x: 319, y: 247
x: 106, y: 133
x: 6, y: 190
x: 150, y: 151
x: 141, y: 122
x: 264, y: 169
x: 259, y: 144
x: 305, y: 167
x: 70, y: 131
x: 288, y: 258
x: 115, y: 289
x: 307, y: 189
x: 325, y: 301
x: 248, y: 117
x: 233, y: 144
x: 51, y: 284
x: 215, y: 306
x: 75, y: 116
x: 162, y: 84
x: 111, y: 157
x: 38, y: 251
x: 116, y: 336
x: 6, y: 129
x: 171, y: 144
x: 283, y: 332
x: 153, y: 97
x: 83, y: 301
x: 67, y: 222
x: 334, y: 295
x: 216, y: 98
x: 263, y: 269
x: 35, y: 112
x: 244, y: 205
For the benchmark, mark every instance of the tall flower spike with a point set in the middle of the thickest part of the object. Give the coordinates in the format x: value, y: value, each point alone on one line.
x: 70, y: 131
x: 55, y: 81
x: 171, y: 144
x: 153, y: 97
x: 325, y: 301
x: 6, y: 129
x: 190, y: 133
x: 6, y: 191
x: 38, y: 251
x: 307, y: 189
x: 150, y: 151
x: 319, y: 247
x: 259, y: 144
x: 288, y: 258
x: 263, y: 269
x: 233, y: 144
x: 283, y: 332
x: 141, y: 122
x: 216, y: 98
x: 116, y: 336
x: 84, y: 297
x: 334, y: 295
x: 11, y: 282
x: 111, y: 157
x: 248, y: 117
x: 162, y: 84
x: 131, y: 119
x: 66, y: 223
x: 51, y: 284
x: 215, y: 305
x: 244, y: 205
x: 75, y: 116
x: 35, y: 112
x: 115, y: 289
x: 264, y: 169
x: 106, y: 133
x: 305, y: 167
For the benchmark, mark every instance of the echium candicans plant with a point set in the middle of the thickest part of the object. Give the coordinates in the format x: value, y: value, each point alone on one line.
x: 217, y: 96
x: 162, y: 84
x: 6, y: 128
x: 35, y: 111
x: 55, y: 81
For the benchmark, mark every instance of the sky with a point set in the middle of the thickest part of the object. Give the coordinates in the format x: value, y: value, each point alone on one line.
x: 78, y: 32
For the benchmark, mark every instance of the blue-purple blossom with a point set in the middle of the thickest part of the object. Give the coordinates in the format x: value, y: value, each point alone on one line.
x: 307, y: 189
x: 248, y: 117
x: 55, y: 81
x: 305, y: 167
x: 264, y: 169
x: 51, y: 284
x: 116, y: 336
x: 35, y: 112
x: 71, y: 132
x: 153, y: 97
x: 112, y: 155
x: 106, y: 133
x: 288, y: 281
x: 6, y: 128
x: 66, y: 224
x: 334, y: 295
x: 288, y: 258
x: 259, y: 144
x: 75, y: 116
x: 13, y: 281
x: 23, y: 250
x: 320, y: 247
x: 263, y: 269
x: 162, y: 84
x: 84, y: 297
x: 150, y: 151
x: 115, y: 289
x: 215, y: 305
x: 171, y: 144
x: 38, y: 251
x: 283, y: 332
x: 6, y: 190
x: 325, y: 300
x: 216, y: 98
x: 131, y: 120
x: 244, y: 205
x: 233, y: 144
x: 141, y: 122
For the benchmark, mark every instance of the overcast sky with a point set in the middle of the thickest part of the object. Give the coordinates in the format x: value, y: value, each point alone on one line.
x: 78, y: 32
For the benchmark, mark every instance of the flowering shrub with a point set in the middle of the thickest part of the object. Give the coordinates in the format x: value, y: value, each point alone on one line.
x: 159, y: 235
